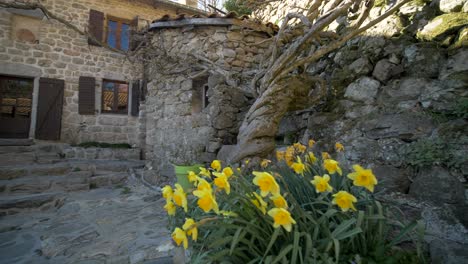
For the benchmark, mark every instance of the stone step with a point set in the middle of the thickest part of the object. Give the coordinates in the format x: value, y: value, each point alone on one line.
x: 75, y: 181
x: 17, y: 203
x: 18, y: 171
x: 15, y: 142
x: 66, y: 166
x: 107, y: 178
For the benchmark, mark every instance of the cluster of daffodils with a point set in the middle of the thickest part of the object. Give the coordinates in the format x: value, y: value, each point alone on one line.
x: 361, y: 177
x: 267, y: 198
x: 270, y: 188
x: 204, y: 188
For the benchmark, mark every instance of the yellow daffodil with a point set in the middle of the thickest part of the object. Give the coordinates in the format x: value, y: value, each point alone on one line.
x: 167, y: 192
x: 363, y: 177
x: 192, y: 177
x: 228, y: 171
x: 344, y: 200
x: 311, y: 158
x: 179, y: 237
x: 205, y: 172
x: 298, y: 166
x: 289, y: 156
x: 170, y: 208
x: 321, y: 183
x: 332, y: 166
x: 266, y: 183
x: 325, y: 155
x: 221, y: 181
x: 299, y: 147
x: 216, y: 165
x: 228, y: 213
x: 280, y: 155
x: 281, y: 217
x: 259, y: 203
x: 180, y: 198
x: 339, y: 147
x: 206, y: 201
x: 239, y: 170
x: 311, y: 143
x: 247, y: 161
x: 264, y: 163
x: 203, y: 185
x: 191, y: 228
x: 279, y: 201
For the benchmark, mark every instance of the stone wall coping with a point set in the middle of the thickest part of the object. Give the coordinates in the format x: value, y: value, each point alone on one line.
x: 217, y: 22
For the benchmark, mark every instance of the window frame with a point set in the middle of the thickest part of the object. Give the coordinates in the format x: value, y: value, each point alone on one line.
x: 118, y: 36
x: 116, y: 96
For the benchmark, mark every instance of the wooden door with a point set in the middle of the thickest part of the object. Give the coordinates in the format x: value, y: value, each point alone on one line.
x: 49, y: 109
x: 15, y: 106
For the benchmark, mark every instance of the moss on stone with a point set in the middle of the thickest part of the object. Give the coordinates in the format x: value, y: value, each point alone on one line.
x: 462, y: 40
x: 442, y: 25
x: 380, y: 2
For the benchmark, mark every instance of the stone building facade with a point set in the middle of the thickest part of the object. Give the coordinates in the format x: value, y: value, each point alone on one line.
x: 197, y: 99
x: 34, y: 48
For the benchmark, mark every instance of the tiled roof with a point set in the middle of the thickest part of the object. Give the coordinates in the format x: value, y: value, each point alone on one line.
x: 232, y: 18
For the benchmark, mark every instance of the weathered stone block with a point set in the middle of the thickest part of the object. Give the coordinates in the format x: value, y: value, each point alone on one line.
x: 364, y: 89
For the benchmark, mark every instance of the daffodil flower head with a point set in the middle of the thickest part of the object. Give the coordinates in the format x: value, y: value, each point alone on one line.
x: 311, y: 143
x: 332, y: 166
x: 280, y: 155
x: 216, y: 165
x: 279, y: 201
x: 180, y: 198
x: 228, y: 171
x: 192, y: 177
x: 167, y: 192
x: 206, y: 201
x: 170, y: 208
x: 344, y: 200
x: 179, y: 236
x: 299, y: 147
x: 221, y: 181
x: 298, y: 166
x: 259, y: 202
x: 266, y: 182
x: 205, y: 172
x: 264, y: 163
x: 363, y: 177
x: 311, y: 158
x: 325, y: 155
x: 203, y: 185
x: 321, y: 183
x: 190, y: 227
x: 281, y: 217
x: 339, y: 147
x: 289, y: 155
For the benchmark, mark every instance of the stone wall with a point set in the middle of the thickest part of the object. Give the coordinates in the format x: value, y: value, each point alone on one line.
x: 64, y: 54
x: 175, y: 134
x: 399, y: 104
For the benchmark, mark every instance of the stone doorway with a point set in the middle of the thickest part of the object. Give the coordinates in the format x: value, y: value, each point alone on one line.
x: 15, y: 106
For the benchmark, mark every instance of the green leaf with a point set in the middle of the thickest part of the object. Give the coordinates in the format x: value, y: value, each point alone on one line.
x: 283, y: 253
x: 272, y: 240
x: 402, y: 233
x: 342, y: 227
x: 295, y: 247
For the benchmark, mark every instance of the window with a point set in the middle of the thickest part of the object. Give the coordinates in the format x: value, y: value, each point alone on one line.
x: 199, y: 94
x: 114, y: 97
x: 118, y: 33
x: 15, y: 97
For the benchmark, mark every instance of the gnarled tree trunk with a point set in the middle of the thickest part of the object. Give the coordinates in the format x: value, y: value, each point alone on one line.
x: 278, y: 83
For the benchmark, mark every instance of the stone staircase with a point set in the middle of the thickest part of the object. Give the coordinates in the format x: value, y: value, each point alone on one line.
x: 37, y: 177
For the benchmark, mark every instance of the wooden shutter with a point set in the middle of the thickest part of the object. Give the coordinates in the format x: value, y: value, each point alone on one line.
x: 133, y: 34
x: 49, y: 109
x: 135, y: 98
x: 96, y: 26
x: 86, y: 95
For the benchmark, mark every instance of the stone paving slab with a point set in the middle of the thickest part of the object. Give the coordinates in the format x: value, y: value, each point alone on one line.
x: 96, y: 226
